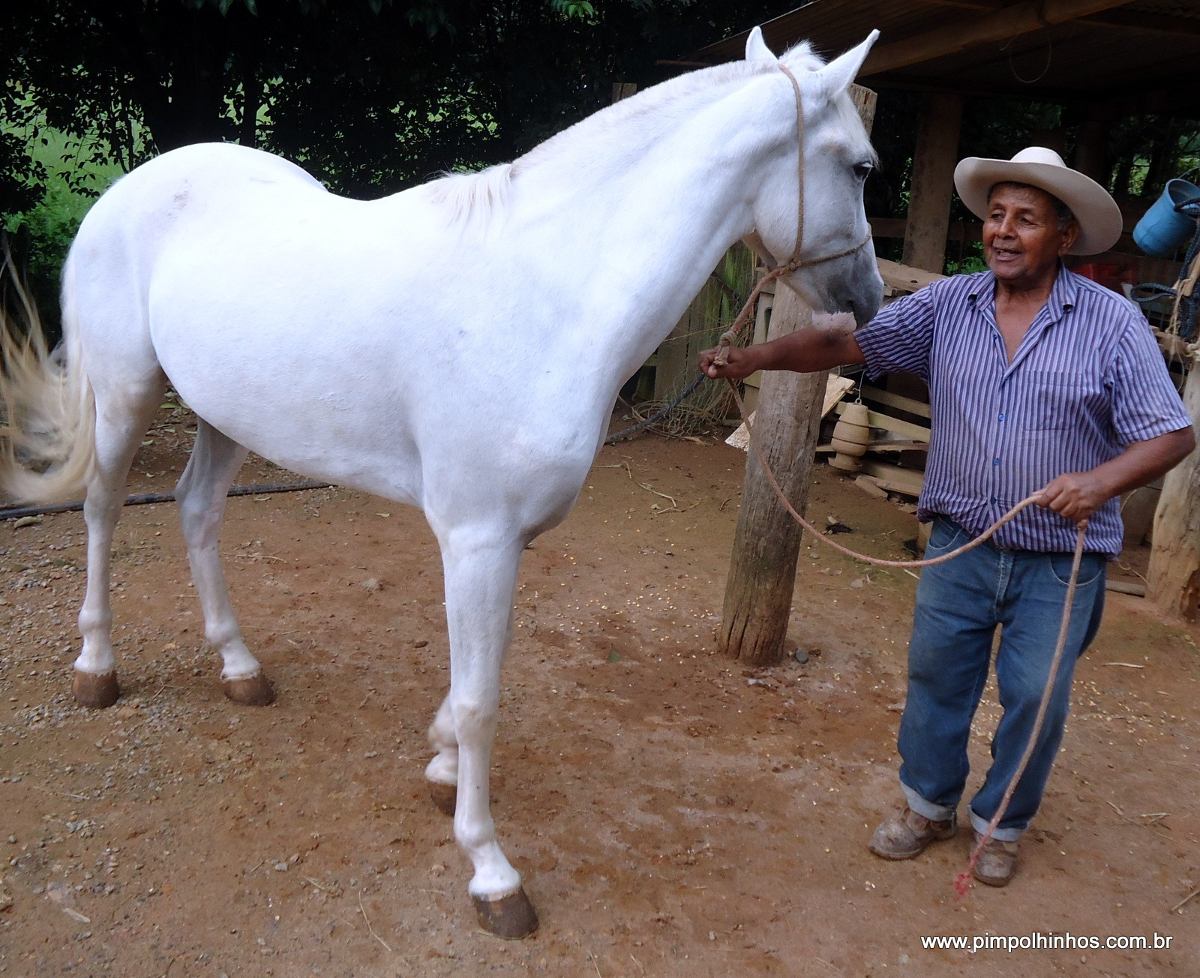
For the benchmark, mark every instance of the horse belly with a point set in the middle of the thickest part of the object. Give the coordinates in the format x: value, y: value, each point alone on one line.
x: 284, y: 374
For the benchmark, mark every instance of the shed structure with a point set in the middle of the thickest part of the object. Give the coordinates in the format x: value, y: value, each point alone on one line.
x: 1102, y: 60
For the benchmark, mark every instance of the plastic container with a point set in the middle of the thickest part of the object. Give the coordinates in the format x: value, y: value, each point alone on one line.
x: 1163, y: 228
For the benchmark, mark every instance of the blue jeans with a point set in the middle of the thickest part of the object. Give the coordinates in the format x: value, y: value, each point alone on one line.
x: 959, y: 606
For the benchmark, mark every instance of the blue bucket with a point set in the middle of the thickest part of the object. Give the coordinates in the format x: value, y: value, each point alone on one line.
x: 1163, y: 228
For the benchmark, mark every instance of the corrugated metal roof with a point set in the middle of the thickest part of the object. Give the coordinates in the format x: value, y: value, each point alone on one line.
x: 1131, y: 48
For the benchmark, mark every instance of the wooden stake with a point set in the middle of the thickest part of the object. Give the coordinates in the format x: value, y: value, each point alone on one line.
x: 762, y: 571
x: 1173, y: 580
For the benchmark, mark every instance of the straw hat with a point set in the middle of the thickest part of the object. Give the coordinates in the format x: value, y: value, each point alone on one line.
x: 1099, y: 217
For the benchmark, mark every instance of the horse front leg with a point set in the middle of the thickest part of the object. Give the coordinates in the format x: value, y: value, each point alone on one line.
x: 442, y: 771
x: 481, y: 579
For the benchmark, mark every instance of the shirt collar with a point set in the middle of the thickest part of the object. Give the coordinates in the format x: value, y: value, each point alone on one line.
x: 1063, y: 294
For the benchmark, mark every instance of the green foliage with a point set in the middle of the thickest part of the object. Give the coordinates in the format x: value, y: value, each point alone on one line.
x: 578, y: 9
x: 43, y: 231
x: 43, y: 236
x: 968, y: 264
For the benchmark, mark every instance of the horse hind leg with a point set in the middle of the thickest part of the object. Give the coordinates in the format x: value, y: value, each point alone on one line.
x: 122, y: 416
x: 201, y: 492
x: 480, y: 585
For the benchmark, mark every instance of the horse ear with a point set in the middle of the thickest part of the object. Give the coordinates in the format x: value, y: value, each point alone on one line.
x: 756, y: 47
x: 841, y: 72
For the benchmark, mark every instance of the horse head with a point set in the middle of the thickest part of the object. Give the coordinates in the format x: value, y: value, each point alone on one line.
x: 808, y: 209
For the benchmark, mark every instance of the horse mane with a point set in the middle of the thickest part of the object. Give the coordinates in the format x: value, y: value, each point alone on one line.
x: 467, y: 196
x: 481, y: 196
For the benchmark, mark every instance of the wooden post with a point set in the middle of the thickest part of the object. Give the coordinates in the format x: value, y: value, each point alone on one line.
x: 762, y: 569
x: 932, y: 182
x: 1090, y: 149
x: 1173, y: 581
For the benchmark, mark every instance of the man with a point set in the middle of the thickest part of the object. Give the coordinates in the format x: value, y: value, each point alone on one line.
x: 1039, y: 380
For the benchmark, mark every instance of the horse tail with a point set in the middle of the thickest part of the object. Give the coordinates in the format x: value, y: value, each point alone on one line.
x: 48, y: 438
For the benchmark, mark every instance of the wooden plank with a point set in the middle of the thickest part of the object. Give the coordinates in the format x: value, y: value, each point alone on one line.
x: 1117, y: 19
x: 893, y: 478
x: 909, y: 404
x: 835, y: 389
x: 671, y: 358
x: 888, y: 423
x: 894, y: 227
x: 1145, y: 22
x: 968, y: 32
x: 898, y: 446
x: 1126, y: 587
x: 675, y: 359
x: 905, y: 278
x: 875, y: 446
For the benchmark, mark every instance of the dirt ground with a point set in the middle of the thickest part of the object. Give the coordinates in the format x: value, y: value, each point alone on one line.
x: 674, y: 813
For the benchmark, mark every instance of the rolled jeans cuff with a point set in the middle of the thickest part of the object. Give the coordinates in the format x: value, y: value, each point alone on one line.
x: 926, y: 809
x: 1002, y: 835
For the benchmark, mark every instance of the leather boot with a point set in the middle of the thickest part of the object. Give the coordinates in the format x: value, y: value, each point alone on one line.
x: 908, y: 834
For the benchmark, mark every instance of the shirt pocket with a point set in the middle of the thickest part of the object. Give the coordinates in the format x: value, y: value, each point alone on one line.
x: 1057, y: 400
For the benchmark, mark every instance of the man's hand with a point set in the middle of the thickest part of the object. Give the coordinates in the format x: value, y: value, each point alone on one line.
x: 1075, y: 495
x: 740, y: 362
x: 803, y: 350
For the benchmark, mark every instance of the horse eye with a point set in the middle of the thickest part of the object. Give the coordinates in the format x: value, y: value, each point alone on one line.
x: 863, y: 170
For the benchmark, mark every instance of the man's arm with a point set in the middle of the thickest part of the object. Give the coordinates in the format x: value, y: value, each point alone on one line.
x: 1077, y: 495
x: 804, y: 350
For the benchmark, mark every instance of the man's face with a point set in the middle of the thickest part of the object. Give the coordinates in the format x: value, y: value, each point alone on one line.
x: 1021, y: 238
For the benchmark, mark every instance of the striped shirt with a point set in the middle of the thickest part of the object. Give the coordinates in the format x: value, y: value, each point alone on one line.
x: 1086, y: 381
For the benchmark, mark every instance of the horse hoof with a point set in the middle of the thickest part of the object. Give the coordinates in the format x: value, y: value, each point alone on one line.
x: 253, y: 690
x: 511, y: 917
x: 95, y: 691
x: 444, y: 796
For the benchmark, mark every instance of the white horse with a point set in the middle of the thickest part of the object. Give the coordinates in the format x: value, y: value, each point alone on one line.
x: 458, y: 346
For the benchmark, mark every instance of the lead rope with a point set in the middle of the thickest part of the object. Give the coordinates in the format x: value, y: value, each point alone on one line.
x: 962, y: 881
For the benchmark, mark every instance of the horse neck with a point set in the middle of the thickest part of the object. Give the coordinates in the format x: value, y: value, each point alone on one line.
x: 637, y: 221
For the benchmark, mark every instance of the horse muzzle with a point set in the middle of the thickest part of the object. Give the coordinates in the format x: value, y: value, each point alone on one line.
x: 851, y: 285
